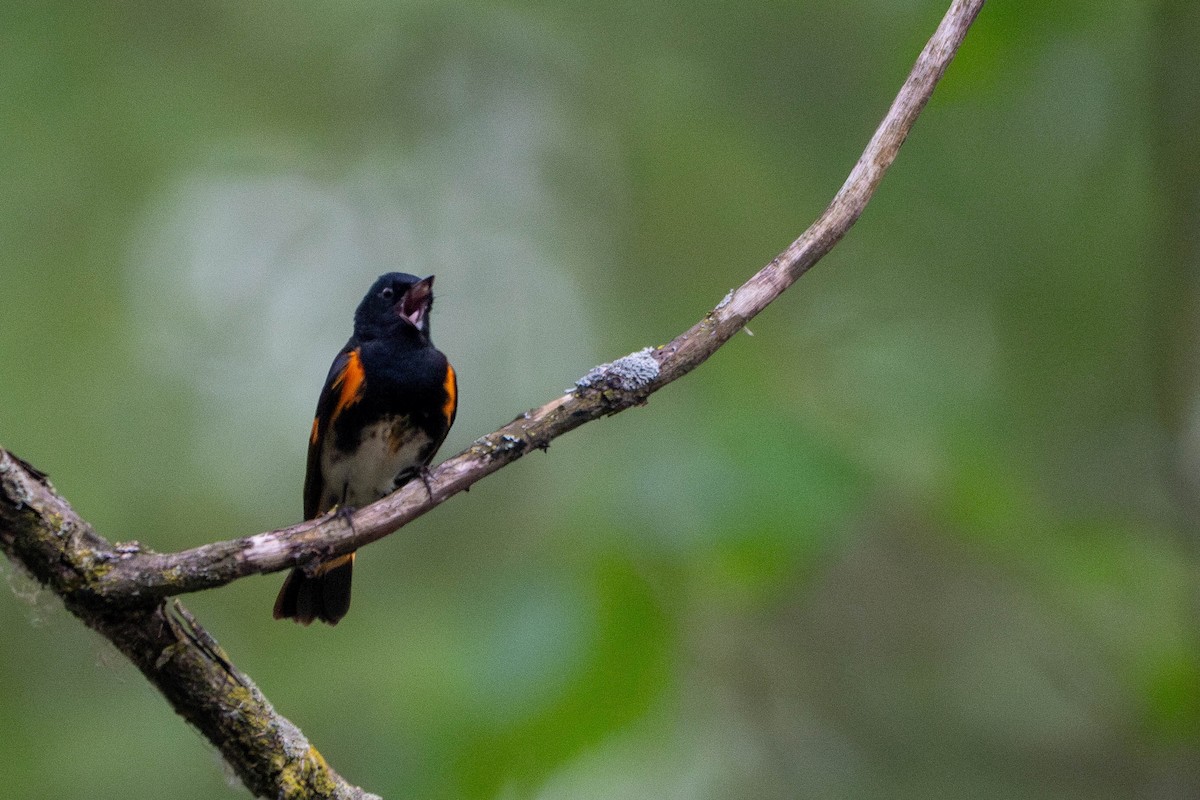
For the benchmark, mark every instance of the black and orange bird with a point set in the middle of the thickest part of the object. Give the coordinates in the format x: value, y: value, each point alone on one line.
x: 387, y: 405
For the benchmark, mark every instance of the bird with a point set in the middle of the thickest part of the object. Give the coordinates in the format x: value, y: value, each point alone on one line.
x: 387, y: 404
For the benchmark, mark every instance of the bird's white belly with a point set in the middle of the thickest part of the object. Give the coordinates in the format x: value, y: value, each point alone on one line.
x: 386, y: 450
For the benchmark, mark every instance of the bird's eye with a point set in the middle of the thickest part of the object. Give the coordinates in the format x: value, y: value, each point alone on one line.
x: 387, y: 293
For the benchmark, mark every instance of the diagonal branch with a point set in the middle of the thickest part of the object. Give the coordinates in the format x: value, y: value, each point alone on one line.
x: 123, y: 591
x: 605, y: 390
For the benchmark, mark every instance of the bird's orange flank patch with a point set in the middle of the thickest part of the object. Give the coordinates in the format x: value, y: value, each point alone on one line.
x: 451, y: 387
x: 349, y: 384
x: 316, y: 431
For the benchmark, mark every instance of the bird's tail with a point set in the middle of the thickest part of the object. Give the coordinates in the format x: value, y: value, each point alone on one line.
x: 323, y: 593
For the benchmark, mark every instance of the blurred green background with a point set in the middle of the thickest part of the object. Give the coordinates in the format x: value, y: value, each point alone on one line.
x: 930, y: 532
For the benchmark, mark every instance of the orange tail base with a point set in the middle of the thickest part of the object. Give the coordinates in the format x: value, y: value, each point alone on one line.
x: 323, y: 594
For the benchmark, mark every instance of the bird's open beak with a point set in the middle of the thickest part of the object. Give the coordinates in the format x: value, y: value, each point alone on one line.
x: 416, y: 302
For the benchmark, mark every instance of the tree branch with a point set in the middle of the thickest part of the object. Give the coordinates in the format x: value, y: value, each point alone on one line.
x: 122, y: 591
x: 42, y: 533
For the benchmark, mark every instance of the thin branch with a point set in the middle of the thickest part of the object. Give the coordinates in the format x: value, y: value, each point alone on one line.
x: 606, y: 390
x: 123, y: 591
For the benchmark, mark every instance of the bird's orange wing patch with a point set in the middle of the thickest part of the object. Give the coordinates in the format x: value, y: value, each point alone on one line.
x: 349, y: 384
